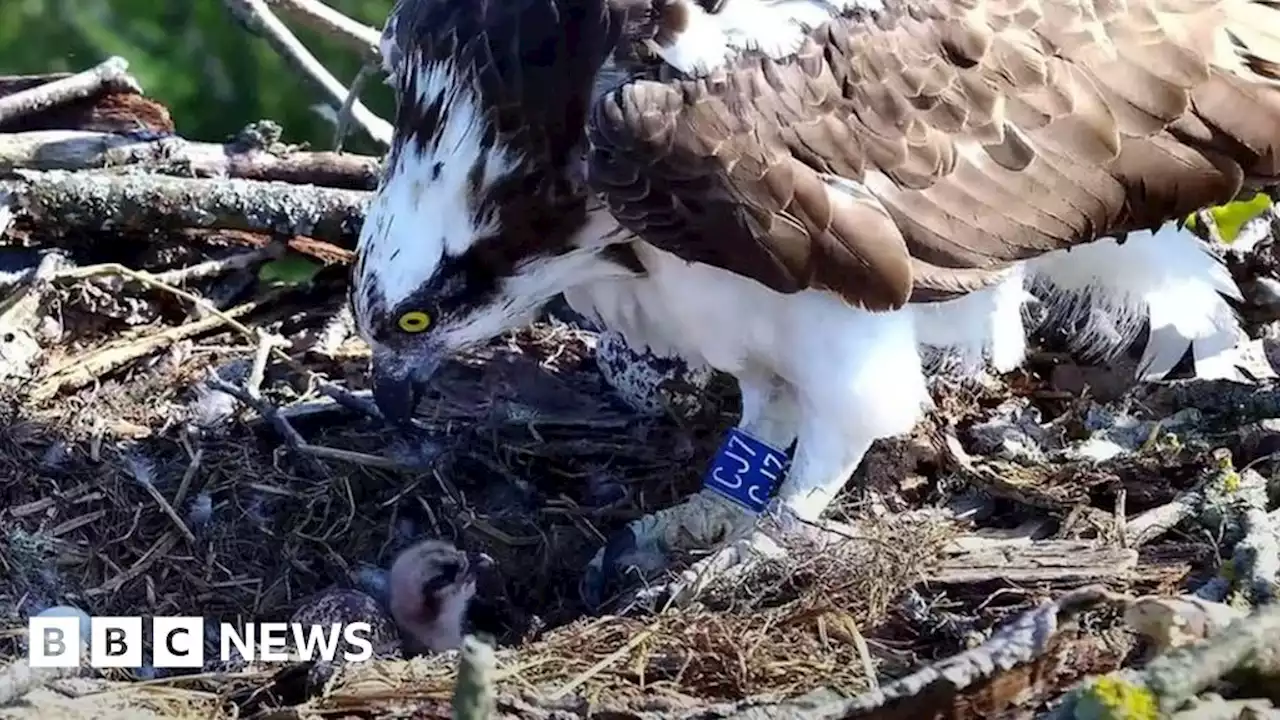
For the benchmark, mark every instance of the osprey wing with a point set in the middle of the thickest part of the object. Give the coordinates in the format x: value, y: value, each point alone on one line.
x: 915, y: 151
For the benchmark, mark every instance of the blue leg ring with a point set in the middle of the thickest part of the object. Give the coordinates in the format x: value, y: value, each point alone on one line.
x: 746, y: 470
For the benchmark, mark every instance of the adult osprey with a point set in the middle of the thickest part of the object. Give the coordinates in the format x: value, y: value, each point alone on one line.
x: 809, y: 195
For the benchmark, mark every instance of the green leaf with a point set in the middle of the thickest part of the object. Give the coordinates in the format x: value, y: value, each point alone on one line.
x: 1232, y: 217
x: 290, y: 271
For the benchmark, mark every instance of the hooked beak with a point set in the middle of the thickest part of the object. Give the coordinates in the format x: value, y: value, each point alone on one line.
x: 478, y: 562
x: 399, y: 385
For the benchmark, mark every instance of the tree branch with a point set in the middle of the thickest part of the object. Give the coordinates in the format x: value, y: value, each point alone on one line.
x: 258, y: 18
x: 110, y: 73
x: 331, y: 22
x: 98, y: 201
x: 80, y: 150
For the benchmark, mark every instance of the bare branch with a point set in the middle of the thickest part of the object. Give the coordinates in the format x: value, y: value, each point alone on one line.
x: 342, y: 122
x: 97, y: 201
x: 80, y: 150
x: 329, y: 21
x: 110, y: 73
x: 257, y: 17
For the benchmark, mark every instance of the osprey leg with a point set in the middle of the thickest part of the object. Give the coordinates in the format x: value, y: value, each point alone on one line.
x: 824, y: 462
x: 709, y: 517
x: 866, y: 383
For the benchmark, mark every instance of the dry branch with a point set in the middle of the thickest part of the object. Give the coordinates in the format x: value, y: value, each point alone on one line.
x: 110, y: 73
x: 258, y: 18
x: 331, y: 22
x: 85, y: 369
x: 1058, y: 561
x: 99, y: 201
x: 1173, y: 679
x: 80, y: 150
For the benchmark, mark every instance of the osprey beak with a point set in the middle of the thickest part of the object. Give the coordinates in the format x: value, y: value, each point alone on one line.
x: 399, y: 385
x: 478, y: 562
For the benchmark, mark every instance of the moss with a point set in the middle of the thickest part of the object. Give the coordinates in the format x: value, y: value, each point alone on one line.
x: 1231, y: 481
x: 1113, y: 698
x: 1222, y: 458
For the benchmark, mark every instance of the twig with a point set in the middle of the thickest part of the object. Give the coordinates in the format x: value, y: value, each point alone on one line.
x: 1215, y: 707
x: 98, y: 201
x: 188, y: 476
x: 1157, y: 521
x: 157, y: 551
x: 85, y: 369
x: 325, y: 19
x: 1171, y: 622
x: 341, y: 396
x: 342, y: 123
x: 109, y: 73
x: 474, y: 697
x: 266, y: 342
x: 1045, y: 561
x: 213, y: 268
x: 290, y: 435
x: 1019, y: 642
x: 604, y: 662
x: 165, y: 507
x: 85, y: 150
x: 356, y: 403
x: 356, y: 458
x: 152, y: 281
x: 258, y: 18
x: 1255, y: 563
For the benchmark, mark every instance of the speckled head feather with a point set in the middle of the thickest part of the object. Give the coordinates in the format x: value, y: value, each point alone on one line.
x: 490, y: 121
x: 483, y: 186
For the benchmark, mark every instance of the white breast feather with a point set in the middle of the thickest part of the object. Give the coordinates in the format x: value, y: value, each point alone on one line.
x: 774, y: 27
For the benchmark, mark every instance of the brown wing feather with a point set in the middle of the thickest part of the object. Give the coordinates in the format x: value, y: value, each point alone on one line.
x: 976, y: 133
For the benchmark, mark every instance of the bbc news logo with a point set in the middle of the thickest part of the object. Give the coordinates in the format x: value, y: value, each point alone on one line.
x: 178, y: 642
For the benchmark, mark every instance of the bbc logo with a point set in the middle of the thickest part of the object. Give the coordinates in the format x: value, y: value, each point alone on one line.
x: 116, y: 642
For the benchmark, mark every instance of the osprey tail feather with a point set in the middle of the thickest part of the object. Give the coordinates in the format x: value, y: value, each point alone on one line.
x: 1253, y: 30
x: 1104, y: 293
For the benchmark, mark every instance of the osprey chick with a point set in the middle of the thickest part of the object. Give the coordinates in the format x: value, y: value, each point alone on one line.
x: 811, y: 195
x: 430, y: 587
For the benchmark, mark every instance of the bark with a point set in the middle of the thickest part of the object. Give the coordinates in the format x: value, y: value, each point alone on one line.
x: 109, y: 74
x: 1052, y: 561
x: 80, y: 150
x: 62, y: 200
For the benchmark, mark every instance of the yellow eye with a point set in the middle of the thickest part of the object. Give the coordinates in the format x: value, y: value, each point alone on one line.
x: 415, y: 321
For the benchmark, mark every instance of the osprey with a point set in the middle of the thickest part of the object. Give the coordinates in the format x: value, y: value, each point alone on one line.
x: 811, y: 196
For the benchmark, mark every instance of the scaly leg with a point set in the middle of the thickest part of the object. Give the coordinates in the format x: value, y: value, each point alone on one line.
x: 854, y: 386
x: 706, y: 519
x: 825, y: 459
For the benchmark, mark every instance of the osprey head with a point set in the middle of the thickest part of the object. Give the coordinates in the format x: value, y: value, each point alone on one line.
x: 472, y: 228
